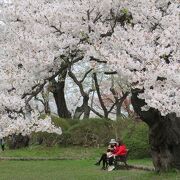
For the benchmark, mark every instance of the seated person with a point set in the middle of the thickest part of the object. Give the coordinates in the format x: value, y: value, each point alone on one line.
x: 120, y: 151
x: 110, y: 151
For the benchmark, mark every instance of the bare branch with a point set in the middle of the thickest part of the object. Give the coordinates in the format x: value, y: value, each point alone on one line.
x: 110, y: 72
x: 77, y: 59
x: 79, y: 84
x: 118, y: 100
x: 88, y: 17
x: 109, y: 33
x: 95, y: 112
x: 57, y: 30
x: 38, y: 99
x: 85, y: 75
x: 112, y: 107
x: 99, y: 95
x: 97, y: 60
x: 99, y: 15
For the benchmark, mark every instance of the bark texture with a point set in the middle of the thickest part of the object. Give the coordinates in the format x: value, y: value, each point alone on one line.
x: 83, y: 109
x: 59, y: 96
x: 164, y: 135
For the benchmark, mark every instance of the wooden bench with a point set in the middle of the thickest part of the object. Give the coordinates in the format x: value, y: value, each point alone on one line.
x: 121, y: 159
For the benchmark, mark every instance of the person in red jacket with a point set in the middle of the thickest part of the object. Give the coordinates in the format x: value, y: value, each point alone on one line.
x: 121, y: 150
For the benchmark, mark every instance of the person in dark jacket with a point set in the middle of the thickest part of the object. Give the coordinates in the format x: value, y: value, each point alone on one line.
x: 112, y: 148
x: 121, y: 151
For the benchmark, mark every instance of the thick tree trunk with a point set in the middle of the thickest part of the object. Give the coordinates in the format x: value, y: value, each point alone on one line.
x: 61, y: 103
x: 59, y: 96
x: 164, y: 135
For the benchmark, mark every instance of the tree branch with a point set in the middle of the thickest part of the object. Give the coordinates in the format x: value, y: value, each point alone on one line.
x: 118, y: 100
x: 79, y: 84
x: 57, y: 30
x: 99, y: 15
x: 85, y: 75
x: 110, y: 72
x: 99, y: 95
x: 95, y: 112
x: 40, y: 87
x: 36, y: 98
x: 97, y: 60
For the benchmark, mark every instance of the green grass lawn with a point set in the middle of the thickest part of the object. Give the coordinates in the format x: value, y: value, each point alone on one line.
x: 144, y: 162
x: 72, y: 170
x: 43, y: 151
x: 83, y: 169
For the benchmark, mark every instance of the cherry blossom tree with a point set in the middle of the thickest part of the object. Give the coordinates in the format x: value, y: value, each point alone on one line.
x: 145, y: 53
x: 28, y: 61
x: 138, y: 39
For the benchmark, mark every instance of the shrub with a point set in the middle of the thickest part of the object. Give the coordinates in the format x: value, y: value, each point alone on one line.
x: 95, y: 132
x: 65, y: 139
x: 135, y: 136
x: 50, y: 139
x: 60, y: 122
x: 91, y: 132
x: 17, y: 141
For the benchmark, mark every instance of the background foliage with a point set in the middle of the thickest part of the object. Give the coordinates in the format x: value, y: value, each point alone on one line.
x: 95, y: 133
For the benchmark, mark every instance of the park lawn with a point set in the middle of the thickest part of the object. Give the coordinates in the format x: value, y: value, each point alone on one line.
x: 72, y: 170
x: 147, y: 162
x: 81, y: 168
x: 73, y: 152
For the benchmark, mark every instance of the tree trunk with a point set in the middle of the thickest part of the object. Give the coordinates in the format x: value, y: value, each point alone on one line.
x: 45, y: 96
x: 59, y: 96
x: 164, y: 135
x: 78, y: 112
x: 84, y: 109
x: 118, y: 110
x: 106, y: 113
